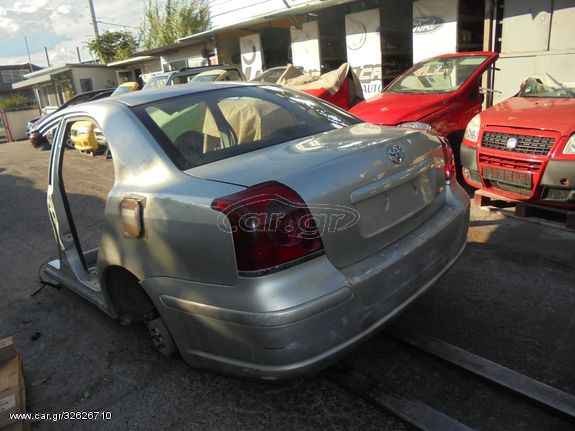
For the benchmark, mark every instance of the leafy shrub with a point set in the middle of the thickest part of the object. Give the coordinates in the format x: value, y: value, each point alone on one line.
x: 14, y: 102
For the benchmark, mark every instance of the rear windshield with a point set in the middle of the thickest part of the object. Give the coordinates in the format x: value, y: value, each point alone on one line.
x: 200, y: 128
x: 157, y: 81
x: 206, y: 77
x: 547, y: 86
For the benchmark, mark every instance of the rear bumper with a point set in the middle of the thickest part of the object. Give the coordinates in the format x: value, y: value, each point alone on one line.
x: 301, y: 319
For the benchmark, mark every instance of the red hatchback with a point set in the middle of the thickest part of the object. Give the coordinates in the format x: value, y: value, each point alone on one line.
x: 440, y: 94
x: 524, y: 148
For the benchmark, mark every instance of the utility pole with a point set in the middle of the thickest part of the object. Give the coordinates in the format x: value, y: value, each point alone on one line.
x: 94, y: 22
x: 47, y: 58
x: 78, y: 52
x: 28, y: 51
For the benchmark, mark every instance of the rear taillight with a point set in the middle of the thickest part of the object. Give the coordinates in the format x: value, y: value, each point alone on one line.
x: 271, y: 226
x: 450, y: 171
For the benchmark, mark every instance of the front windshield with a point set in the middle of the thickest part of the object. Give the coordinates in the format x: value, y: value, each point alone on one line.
x: 547, y: 87
x: 158, y: 81
x: 438, y: 75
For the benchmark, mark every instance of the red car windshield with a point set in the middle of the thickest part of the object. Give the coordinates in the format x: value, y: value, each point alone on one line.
x: 438, y: 75
x: 547, y: 87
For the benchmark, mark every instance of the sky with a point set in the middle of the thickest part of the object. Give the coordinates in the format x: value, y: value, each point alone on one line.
x: 60, y: 26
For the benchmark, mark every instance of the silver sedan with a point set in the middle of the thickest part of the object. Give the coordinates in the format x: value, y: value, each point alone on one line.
x: 258, y: 231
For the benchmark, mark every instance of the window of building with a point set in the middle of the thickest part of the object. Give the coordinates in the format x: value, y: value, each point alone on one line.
x: 179, y: 64
x: 43, y: 95
x: 12, y: 76
x: 470, y: 26
x: 86, y: 85
x: 332, y: 39
x: 275, y: 46
x: 396, y: 18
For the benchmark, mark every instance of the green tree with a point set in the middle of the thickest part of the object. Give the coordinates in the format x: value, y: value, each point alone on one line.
x: 13, y: 102
x: 177, y: 18
x: 113, y: 46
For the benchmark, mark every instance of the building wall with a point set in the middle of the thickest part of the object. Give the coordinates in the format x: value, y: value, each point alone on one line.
x: 101, y: 78
x: 189, y: 56
x: 537, y: 38
x: 16, y: 122
x: 150, y: 66
x: 435, y: 28
x: 305, y: 47
x: 139, y: 72
x: 374, y: 36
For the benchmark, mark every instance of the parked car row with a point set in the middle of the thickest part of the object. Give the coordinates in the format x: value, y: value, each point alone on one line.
x: 188, y: 74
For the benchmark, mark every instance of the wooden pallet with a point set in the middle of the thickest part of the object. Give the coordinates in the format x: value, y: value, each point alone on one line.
x: 542, y: 214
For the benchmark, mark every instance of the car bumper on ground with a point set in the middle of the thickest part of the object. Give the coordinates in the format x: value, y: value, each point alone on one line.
x: 301, y: 319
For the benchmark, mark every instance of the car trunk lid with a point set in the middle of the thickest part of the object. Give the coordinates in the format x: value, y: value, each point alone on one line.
x: 351, y: 181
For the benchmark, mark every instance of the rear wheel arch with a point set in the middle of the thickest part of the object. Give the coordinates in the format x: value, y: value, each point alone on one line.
x: 127, y: 297
x: 130, y: 303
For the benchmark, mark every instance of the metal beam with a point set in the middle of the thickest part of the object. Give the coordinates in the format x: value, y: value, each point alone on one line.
x: 512, y: 380
x: 414, y: 412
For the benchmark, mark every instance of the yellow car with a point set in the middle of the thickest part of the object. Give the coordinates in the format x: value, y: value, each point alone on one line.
x: 86, y: 136
x: 126, y: 87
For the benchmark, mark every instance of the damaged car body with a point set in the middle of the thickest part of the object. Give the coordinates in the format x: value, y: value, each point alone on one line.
x: 259, y: 231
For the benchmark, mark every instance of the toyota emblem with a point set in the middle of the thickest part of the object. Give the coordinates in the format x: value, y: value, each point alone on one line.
x: 396, y: 154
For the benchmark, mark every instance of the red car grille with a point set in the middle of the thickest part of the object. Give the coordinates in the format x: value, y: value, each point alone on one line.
x: 537, y: 145
x: 504, y: 162
x: 518, y: 190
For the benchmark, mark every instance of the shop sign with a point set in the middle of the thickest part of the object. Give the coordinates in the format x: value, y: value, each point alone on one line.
x: 426, y: 24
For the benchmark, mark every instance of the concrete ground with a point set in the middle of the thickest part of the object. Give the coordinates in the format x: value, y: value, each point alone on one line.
x: 510, y: 298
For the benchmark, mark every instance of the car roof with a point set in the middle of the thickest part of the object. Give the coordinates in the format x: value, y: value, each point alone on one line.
x: 136, y: 98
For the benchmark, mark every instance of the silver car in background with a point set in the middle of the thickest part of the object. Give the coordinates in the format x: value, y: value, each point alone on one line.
x: 257, y: 230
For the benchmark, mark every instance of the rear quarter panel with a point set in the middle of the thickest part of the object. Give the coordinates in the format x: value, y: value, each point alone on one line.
x: 181, y: 238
